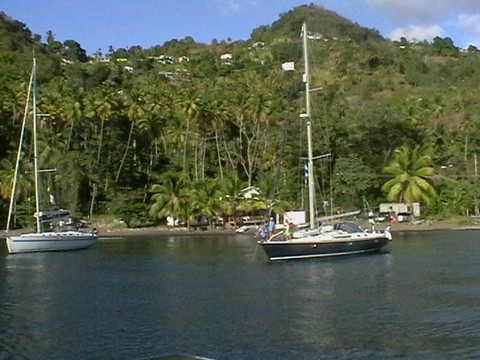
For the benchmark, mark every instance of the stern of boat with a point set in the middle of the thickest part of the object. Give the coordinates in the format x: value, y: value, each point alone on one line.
x: 387, y: 233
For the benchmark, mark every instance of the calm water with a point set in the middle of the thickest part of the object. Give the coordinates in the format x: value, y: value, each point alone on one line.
x: 217, y: 296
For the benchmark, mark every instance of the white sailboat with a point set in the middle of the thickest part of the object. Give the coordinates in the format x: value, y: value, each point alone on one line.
x: 55, y: 230
x: 343, y: 238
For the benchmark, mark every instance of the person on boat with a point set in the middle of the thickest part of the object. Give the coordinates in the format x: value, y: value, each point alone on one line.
x: 287, y: 231
x: 392, y: 216
x: 371, y: 219
x: 271, y: 227
x: 53, y: 203
x: 393, y: 219
x: 262, y: 232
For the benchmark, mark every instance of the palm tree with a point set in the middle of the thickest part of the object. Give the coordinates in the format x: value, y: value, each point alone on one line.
x: 218, y: 114
x: 467, y: 127
x: 157, y: 113
x: 412, y: 171
x: 169, y: 197
x: 192, y: 108
x: 230, y: 200
x: 25, y: 182
x: 99, y: 105
x: 135, y: 112
x: 62, y: 101
x: 73, y: 112
x: 24, y: 186
x: 207, y: 198
x: 151, y: 127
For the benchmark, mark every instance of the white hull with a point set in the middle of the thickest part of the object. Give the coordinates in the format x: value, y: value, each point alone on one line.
x: 50, y: 241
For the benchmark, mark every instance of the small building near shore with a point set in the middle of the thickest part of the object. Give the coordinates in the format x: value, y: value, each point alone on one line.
x: 401, y: 209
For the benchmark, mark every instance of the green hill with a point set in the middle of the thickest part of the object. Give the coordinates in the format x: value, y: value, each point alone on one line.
x: 320, y: 21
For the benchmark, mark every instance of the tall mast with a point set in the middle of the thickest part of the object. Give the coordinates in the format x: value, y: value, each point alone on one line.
x: 35, y: 146
x: 308, y: 116
x: 13, y: 195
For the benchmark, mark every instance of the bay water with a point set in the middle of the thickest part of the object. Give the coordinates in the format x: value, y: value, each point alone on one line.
x: 217, y: 296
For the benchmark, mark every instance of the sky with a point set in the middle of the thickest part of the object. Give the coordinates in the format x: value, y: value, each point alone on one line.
x: 99, y: 24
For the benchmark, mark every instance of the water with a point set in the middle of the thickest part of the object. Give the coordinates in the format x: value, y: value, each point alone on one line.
x: 217, y: 296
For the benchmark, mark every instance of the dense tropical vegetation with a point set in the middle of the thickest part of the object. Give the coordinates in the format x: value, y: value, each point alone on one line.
x: 140, y: 134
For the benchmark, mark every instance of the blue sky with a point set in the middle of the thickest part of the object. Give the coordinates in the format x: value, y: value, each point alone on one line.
x: 97, y: 24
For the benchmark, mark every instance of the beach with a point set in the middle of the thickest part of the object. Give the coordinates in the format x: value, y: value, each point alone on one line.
x: 112, y: 230
x: 108, y: 230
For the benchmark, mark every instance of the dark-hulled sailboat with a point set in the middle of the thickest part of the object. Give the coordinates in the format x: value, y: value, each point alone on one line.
x: 343, y: 238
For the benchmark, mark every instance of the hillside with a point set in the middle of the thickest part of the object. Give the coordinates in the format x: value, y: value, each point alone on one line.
x: 320, y: 21
x: 184, y: 116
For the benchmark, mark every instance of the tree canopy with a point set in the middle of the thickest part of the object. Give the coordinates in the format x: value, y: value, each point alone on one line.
x: 180, y: 128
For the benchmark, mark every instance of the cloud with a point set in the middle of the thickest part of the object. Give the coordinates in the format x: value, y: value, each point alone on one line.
x: 417, y: 10
x: 425, y: 19
x: 470, y: 25
x: 465, y: 6
x: 424, y: 10
x: 232, y: 7
x: 417, y: 33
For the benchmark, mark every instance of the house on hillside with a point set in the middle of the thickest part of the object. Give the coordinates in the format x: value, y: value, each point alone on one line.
x: 165, y: 60
x: 226, y: 59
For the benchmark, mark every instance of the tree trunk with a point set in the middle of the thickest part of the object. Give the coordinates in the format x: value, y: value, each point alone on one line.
x: 218, y: 155
x: 185, y: 148
x: 125, y: 153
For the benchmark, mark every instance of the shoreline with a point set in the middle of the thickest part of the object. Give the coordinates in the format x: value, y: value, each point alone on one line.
x: 105, y: 232
x: 110, y: 231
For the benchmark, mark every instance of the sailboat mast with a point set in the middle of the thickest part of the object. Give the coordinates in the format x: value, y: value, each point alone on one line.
x: 306, y: 80
x: 13, y: 196
x: 35, y: 146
